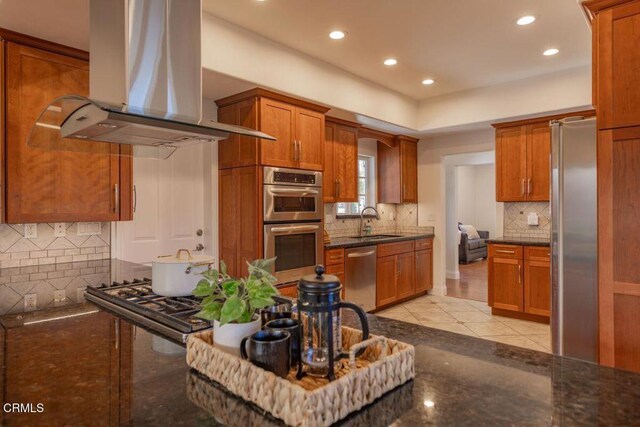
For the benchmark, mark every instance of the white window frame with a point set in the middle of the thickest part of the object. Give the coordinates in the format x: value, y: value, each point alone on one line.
x: 354, y: 208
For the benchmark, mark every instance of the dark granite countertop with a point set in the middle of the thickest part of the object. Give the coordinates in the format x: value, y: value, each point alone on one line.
x: 73, y: 366
x: 354, y: 242
x: 525, y: 241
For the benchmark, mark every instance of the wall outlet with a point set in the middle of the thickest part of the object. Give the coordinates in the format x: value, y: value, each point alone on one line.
x: 31, y: 231
x: 89, y: 228
x: 60, y: 229
x: 30, y: 302
x: 80, y: 294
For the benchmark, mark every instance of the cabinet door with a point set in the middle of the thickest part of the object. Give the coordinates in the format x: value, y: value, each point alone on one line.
x: 346, y: 163
x: 278, y: 120
x: 617, y: 62
x: 47, y: 185
x: 389, y: 180
x: 329, y: 181
x: 228, y: 215
x: 310, y: 137
x: 409, y: 171
x: 386, y: 281
x: 237, y: 151
x: 505, y: 284
x: 511, y: 159
x: 406, y: 282
x: 537, y: 287
x: 424, y: 270
x: 538, y: 162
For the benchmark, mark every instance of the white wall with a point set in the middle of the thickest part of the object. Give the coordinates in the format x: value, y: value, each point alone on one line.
x: 234, y: 51
x: 432, y: 191
x: 558, y: 92
x: 476, y: 195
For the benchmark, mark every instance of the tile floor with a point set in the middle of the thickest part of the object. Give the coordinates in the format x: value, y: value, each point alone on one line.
x: 472, y: 318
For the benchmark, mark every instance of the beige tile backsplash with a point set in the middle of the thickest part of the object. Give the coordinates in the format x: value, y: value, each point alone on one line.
x: 393, y: 219
x: 18, y: 251
x: 515, y: 220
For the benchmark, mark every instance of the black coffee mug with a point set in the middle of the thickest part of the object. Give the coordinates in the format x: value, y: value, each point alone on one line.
x: 276, y: 311
x: 293, y: 327
x: 268, y: 349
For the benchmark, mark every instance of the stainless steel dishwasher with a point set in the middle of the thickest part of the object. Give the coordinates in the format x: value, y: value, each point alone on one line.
x: 360, y: 277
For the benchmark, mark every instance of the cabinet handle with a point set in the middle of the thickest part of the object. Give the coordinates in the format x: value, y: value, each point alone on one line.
x: 519, y: 274
x: 529, y: 186
x: 502, y: 251
x: 135, y: 198
x: 116, y: 195
x: 117, y: 332
x: 295, y: 150
x: 299, y: 150
x: 522, y: 187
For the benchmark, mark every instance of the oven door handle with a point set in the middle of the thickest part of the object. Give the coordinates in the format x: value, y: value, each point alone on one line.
x: 293, y: 192
x: 294, y: 229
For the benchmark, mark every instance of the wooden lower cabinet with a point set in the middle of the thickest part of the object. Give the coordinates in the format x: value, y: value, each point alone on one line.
x: 406, y: 275
x: 289, y: 290
x: 520, y: 280
x: 424, y: 270
x: 386, y: 274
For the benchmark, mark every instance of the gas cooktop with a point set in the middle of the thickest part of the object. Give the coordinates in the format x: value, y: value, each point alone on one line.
x: 172, y: 317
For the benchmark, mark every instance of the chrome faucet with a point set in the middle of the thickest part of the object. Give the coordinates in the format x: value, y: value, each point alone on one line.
x: 362, y: 216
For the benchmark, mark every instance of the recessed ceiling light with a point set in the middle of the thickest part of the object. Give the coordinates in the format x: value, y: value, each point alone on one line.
x: 428, y: 81
x: 336, y: 35
x: 550, y: 52
x: 526, y: 20
x: 390, y: 61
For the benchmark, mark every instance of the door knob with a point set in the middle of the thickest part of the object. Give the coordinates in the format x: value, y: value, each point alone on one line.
x: 199, y: 232
x: 199, y: 247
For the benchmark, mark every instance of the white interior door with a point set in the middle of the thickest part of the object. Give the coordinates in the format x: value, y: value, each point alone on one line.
x: 169, y: 207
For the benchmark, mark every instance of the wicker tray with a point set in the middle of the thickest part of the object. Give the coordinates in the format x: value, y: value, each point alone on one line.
x: 384, y: 365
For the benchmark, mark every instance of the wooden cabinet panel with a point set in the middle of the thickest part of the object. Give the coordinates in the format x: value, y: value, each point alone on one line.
x: 423, y: 244
x: 505, y: 251
x: 55, y: 185
x: 334, y: 256
x: 241, y: 234
x: 409, y: 170
x: 278, y: 120
x: 538, y: 185
x: 617, y: 63
x: 537, y: 287
x: 424, y: 270
x: 386, y: 270
x: 511, y: 155
x: 537, y: 253
x: 238, y: 151
x: 388, y: 249
x: 505, y: 284
x: 341, y: 163
x: 310, y: 137
x: 289, y: 290
x: 329, y: 182
x: 406, y: 275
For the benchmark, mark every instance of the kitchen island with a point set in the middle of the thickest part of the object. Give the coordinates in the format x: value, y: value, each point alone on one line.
x: 87, y: 367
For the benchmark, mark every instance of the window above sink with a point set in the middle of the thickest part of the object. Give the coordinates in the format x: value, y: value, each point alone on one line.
x: 366, y: 189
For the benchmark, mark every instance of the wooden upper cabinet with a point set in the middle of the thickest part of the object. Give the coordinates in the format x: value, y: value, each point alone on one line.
x: 297, y: 125
x: 511, y: 164
x: 538, y: 184
x: 42, y: 185
x: 341, y: 162
x: 617, y: 65
x: 398, y: 170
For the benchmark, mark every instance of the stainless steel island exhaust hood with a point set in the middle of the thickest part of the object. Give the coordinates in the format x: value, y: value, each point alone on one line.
x: 145, y: 83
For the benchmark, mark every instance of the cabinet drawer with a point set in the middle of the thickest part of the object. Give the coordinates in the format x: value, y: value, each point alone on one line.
x: 505, y: 251
x: 537, y: 253
x: 334, y: 256
x: 334, y: 269
x: 423, y: 244
x: 389, y: 249
x: 289, y: 290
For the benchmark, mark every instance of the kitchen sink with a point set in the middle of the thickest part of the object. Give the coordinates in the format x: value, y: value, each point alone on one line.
x: 376, y: 236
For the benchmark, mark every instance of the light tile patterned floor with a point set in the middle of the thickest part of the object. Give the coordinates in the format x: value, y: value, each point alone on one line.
x: 471, y: 318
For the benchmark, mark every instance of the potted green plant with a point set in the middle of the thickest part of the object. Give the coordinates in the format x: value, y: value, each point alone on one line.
x: 234, y: 304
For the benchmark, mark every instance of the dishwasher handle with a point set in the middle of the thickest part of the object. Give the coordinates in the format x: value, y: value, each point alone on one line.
x: 361, y: 254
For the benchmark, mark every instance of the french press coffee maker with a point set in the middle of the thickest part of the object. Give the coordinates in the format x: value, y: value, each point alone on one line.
x: 319, y: 316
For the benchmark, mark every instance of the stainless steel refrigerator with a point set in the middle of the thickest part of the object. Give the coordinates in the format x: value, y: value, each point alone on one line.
x: 574, y: 245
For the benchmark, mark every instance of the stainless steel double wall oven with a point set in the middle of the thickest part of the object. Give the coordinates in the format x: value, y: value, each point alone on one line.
x: 293, y: 230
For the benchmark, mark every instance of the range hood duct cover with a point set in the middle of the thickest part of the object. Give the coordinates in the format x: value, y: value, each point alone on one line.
x: 145, y: 84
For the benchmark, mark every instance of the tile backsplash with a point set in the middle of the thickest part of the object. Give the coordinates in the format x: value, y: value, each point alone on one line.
x: 393, y: 219
x: 18, y: 251
x: 515, y: 220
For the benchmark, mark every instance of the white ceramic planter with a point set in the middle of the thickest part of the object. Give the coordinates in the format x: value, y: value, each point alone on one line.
x: 228, y: 337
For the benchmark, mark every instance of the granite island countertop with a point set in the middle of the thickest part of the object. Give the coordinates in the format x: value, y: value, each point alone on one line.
x: 524, y: 241
x: 460, y: 380
x: 355, y: 242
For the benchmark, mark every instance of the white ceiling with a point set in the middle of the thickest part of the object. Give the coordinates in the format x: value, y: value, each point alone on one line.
x: 462, y: 44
